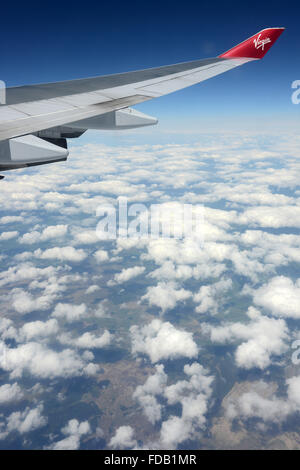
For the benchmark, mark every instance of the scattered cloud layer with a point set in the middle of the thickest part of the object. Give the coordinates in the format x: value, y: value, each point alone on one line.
x: 66, y: 295
x: 260, y: 339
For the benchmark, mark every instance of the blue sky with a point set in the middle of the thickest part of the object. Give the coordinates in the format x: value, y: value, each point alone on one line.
x: 64, y: 40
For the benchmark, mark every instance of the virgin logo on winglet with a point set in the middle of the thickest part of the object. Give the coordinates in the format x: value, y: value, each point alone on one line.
x: 256, y: 46
x: 260, y: 43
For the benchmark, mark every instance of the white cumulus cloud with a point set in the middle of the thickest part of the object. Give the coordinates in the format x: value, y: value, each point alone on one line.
x: 161, y: 341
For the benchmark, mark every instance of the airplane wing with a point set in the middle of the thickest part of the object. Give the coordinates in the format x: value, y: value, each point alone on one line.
x: 35, y: 108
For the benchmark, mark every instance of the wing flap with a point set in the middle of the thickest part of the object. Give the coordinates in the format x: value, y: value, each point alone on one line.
x: 42, y: 107
x: 30, y: 124
x: 85, y: 99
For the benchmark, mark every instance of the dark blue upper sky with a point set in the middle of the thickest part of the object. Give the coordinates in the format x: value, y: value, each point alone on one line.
x: 50, y: 41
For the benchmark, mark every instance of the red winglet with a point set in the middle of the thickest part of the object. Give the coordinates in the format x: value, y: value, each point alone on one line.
x: 256, y: 46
